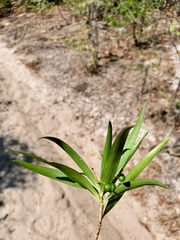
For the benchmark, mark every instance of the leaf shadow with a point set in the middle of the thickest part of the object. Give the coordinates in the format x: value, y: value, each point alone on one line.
x: 11, y: 175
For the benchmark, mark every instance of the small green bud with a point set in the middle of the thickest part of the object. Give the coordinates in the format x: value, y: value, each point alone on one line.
x: 122, y: 177
x: 109, y: 187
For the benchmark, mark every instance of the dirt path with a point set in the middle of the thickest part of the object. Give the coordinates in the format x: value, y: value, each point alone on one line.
x: 34, y: 207
x: 59, y: 98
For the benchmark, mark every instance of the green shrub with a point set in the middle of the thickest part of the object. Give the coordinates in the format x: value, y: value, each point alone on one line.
x: 37, y: 5
x: 5, y: 3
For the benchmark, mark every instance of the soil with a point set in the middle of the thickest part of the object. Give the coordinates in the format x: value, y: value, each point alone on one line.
x: 50, y: 87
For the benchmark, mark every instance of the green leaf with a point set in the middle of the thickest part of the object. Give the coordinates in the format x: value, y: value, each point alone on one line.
x: 71, y: 173
x: 129, y: 153
x: 113, y: 159
x: 130, y: 142
x: 107, y: 146
x: 48, y: 172
x: 134, y: 173
x: 30, y: 155
x: 77, y: 159
x: 76, y: 177
x: 130, y: 185
x: 115, y: 196
x: 111, y: 203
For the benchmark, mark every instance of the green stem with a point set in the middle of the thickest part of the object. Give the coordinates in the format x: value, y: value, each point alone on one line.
x: 101, y: 208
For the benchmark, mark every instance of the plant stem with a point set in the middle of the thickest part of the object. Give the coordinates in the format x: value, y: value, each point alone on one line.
x: 101, y: 207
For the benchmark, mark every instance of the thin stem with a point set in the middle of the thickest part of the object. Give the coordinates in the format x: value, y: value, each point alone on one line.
x: 101, y: 208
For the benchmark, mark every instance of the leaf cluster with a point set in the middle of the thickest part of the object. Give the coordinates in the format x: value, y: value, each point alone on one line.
x: 119, y: 13
x: 36, y: 5
x: 39, y: 5
x: 110, y: 186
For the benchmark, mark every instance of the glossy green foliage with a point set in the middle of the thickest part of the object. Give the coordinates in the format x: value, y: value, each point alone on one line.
x: 134, y: 173
x: 131, y: 145
x: 112, y: 183
x: 74, y: 156
x: 49, y: 172
x: 115, y: 196
x: 107, y: 146
x: 112, y: 160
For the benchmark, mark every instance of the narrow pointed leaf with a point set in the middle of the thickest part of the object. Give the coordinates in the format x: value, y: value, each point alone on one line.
x: 129, y: 153
x: 113, y: 159
x: 56, y: 165
x: 130, y: 185
x: 107, y: 145
x: 131, y: 141
x: 114, y: 197
x: 30, y: 155
x: 134, y: 173
x: 48, y: 172
x: 111, y: 203
x: 76, y: 177
x: 77, y: 159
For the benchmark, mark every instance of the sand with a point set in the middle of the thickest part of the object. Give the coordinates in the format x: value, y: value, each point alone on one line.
x: 48, y: 89
x: 35, y: 207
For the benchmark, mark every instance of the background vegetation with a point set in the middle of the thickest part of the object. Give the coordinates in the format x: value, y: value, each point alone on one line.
x: 139, y: 18
x: 117, y: 13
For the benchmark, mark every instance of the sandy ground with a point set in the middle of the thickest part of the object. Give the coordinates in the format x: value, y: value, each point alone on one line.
x: 34, y: 207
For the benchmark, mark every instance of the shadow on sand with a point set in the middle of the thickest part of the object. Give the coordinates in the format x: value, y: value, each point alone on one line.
x: 12, y: 175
